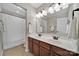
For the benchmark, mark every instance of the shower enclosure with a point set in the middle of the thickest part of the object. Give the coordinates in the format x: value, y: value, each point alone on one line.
x: 1, y: 44
x: 12, y: 25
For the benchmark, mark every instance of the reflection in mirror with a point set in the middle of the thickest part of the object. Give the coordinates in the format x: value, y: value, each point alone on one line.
x: 58, y: 23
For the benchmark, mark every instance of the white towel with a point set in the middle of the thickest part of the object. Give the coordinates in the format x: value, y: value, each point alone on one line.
x: 52, y: 28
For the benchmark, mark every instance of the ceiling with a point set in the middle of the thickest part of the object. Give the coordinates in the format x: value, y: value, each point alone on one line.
x: 36, y: 5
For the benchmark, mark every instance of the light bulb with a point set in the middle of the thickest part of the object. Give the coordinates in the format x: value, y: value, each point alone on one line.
x: 44, y: 12
x: 37, y: 15
x: 40, y: 14
x: 57, y: 7
x: 51, y: 10
x: 65, y: 6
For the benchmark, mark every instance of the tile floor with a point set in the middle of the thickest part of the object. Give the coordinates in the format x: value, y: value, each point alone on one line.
x: 16, y: 51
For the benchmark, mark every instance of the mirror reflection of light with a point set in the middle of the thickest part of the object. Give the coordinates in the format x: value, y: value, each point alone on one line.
x: 40, y: 14
x: 37, y: 15
x: 57, y: 7
x: 66, y: 6
x: 51, y: 10
x: 44, y: 12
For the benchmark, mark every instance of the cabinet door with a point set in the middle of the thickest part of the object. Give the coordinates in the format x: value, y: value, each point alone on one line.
x: 53, y: 53
x: 30, y: 44
x: 35, y: 49
x: 62, y: 52
x: 44, y: 52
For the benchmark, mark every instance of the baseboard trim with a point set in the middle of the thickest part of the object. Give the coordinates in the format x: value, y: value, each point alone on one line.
x: 26, y: 50
x: 1, y: 53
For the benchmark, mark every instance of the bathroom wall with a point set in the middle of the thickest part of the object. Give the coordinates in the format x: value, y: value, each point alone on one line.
x: 38, y: 25
x: 72, y: 24
x: 0, y: 7
x: 62, y: 24
x: 31, y: 12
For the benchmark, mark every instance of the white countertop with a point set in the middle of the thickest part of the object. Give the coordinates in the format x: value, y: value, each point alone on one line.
x: 71, y: 47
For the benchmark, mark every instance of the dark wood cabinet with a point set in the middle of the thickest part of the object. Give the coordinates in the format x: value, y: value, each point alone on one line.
x: 30, y: 44
x: 44, y: 51
x: 54, y: 53
x: 45, y: 45
x: 36, y: 48
x: 39, y: 48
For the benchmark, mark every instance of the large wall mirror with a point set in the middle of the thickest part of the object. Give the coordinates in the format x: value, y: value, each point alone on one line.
x: 56, y: 22
x: 60, y: 22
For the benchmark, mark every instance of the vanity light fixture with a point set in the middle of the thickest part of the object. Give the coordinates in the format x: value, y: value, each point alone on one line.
x: 40, y: 14
x: 51, y: 10
x: 37, y: 15
x: 44, y: 12
x: 57, y: 7
x: 65, y: 6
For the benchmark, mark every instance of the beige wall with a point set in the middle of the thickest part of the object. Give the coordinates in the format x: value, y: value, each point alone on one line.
x: 51, y: 21
x: 31, y: 12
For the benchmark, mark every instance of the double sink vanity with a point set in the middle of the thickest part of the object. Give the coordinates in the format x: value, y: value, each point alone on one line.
x: 47, y: 45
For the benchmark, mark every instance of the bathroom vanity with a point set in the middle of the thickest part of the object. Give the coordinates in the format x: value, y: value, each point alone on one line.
x: 41, y: 47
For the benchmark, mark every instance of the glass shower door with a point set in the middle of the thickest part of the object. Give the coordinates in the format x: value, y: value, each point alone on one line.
x: 1, y: 45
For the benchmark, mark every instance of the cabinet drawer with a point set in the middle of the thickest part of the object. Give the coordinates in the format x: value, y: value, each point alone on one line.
x: 45, y: 45
x: 62, y: 52
x: 35, y: 41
